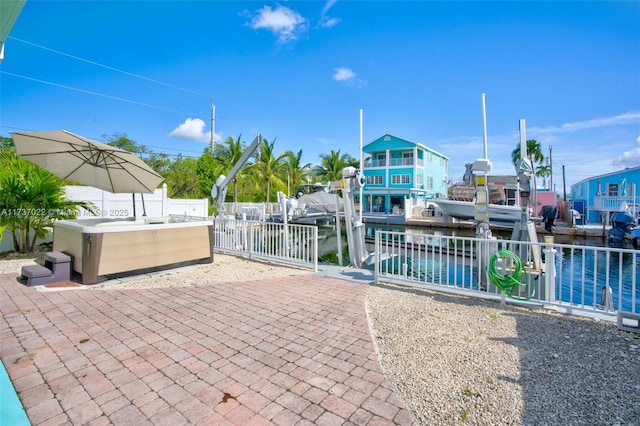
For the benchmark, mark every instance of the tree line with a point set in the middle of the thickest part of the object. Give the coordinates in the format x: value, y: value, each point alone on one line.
x: 31, y: 198
x: 266, y: 173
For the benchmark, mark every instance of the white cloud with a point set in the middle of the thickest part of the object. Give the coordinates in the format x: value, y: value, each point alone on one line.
x: 193, y: 129
x: 344, y: 74
x: 328, y: 5
x: 347, y: 76
x: 282, y: 21
x: 629, y: 158
x: 622, y: 119
x: 328, y: 22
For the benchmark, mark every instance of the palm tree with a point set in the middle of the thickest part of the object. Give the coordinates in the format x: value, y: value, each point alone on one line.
x: 544, y: 171
x: 534, y: 153
x: 31, y: 199
x: 296, y: 172
x: 267, y: 166
x: 535, y: 156
x: 331, y: 165
x: 227, y: 155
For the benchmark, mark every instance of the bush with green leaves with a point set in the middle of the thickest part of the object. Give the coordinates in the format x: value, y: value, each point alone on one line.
x: 31, y: 199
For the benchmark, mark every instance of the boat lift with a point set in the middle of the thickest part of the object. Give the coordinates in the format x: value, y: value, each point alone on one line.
x: 353, y: 180
x: 219, y: 188
x: 524, y: 230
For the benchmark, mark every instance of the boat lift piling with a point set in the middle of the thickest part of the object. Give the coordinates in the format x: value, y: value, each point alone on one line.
x: 352, y: 180
x: 525, y: 229
x: 479, y: 170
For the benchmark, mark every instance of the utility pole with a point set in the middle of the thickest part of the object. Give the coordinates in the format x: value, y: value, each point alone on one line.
x: 213, y: 125
x: 564, y: 185
x: 550, y: 169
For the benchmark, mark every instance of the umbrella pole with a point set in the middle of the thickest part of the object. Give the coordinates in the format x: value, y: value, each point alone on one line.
x: 144, y: 209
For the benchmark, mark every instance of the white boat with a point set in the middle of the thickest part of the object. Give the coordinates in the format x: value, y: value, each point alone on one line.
x: 499, y: 214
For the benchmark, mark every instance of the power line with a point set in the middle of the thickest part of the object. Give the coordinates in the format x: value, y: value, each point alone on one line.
x: 78, y: 58
x: 109, y: 67
x: 98, y: 94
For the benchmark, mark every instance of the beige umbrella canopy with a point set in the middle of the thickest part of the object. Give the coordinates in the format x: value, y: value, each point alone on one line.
x: 87, y: 162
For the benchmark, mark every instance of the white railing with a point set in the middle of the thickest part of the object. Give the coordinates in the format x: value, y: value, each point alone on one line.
x: 402, y: 161
x: 291, y: 244
x: 375, y: 162
x: 571, y: 278
x: 251, y: 211
x: 614, y: 204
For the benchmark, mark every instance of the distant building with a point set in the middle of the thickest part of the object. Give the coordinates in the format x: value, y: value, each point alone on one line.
x: 398, y: 169
x: 598, y: 197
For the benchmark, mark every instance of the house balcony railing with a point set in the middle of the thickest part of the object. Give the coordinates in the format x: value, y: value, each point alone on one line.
x: 613, y: 204
x: 402, y: 161
x: 394, y: 162
x: 375, y: 163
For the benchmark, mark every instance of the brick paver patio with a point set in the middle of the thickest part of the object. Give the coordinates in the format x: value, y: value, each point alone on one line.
x: 284, y: 351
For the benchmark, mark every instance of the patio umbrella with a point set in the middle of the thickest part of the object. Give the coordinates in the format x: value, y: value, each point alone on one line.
x: 87, y: 162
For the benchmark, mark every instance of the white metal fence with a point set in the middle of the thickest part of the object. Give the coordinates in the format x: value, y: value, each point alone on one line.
x: 291, y: 244
x: 571, y: 278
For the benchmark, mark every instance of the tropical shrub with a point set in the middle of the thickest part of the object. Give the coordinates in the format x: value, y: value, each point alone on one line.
x: 31, y: 199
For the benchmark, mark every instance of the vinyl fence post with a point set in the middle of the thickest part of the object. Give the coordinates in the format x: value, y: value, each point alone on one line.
x: 549, y: 271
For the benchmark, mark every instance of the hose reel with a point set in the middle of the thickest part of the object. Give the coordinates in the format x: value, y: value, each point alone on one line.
x: 508, y: 284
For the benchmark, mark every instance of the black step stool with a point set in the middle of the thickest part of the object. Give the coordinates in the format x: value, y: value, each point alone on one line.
x: 57, y: 268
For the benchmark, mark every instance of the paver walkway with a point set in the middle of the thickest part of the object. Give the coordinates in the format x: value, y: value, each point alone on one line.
x: 294, y: 350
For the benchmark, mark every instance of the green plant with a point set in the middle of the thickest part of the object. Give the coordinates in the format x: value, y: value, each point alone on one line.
x: 31, y: 199
x: 464, y: 414
x: 332, y: 257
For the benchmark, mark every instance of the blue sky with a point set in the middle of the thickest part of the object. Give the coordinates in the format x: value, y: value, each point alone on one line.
x: 300, y: 72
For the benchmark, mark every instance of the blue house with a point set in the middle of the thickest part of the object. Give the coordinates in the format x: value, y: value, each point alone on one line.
x: 397, y: 170
x: 598, y: 197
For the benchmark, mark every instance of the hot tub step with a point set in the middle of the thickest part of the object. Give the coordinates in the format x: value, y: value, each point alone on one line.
x: 57, y: 268
x: 35, y: 274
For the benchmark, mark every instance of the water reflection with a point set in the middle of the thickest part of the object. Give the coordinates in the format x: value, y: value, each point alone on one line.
x: 585, y: 273
x: 582, y: 274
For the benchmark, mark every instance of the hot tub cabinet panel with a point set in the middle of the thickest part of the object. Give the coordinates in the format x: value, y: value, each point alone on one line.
x: 111, y: 249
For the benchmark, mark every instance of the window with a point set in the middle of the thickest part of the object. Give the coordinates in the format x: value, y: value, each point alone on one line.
x: 429, y: 182
x: 374, y: 180
x: 400, y: 179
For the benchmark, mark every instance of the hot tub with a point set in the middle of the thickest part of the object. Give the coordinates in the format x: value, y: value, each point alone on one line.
x: 105, y: 248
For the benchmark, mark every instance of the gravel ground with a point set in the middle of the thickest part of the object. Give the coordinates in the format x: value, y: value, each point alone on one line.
x: 460, y: 360
x: 465, y: 361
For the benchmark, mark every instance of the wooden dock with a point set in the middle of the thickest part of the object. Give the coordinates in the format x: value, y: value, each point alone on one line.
x: 560, y: 228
